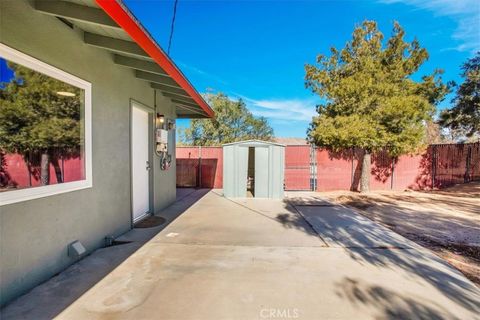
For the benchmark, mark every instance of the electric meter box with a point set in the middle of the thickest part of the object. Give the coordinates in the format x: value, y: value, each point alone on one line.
x: 162, y: 136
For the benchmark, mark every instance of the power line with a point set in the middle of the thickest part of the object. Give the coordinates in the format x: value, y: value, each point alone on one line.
x: 172, y: 27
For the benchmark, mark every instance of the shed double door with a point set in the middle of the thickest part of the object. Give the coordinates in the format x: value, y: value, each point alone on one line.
x: 261, y: 172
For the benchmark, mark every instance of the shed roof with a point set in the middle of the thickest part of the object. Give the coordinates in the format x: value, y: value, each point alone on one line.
x: 290, y: 141
x: 108, y: 24
x: 254, y: 143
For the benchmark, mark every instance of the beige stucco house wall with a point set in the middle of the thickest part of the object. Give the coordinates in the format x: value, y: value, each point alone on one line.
x: 35, y: 233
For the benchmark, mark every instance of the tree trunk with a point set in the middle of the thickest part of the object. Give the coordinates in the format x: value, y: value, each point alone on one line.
x: 29, y: 168
x: 58, y: 170
x: 45, y: 169
x: 365, y: 176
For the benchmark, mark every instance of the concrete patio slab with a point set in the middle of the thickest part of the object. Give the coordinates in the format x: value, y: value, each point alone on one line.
x: 342, y: 227
x: 216, y: 220
x: 50, y: 298
x: 177, y: 281
x: 260, y: 259
x: 304, y: 198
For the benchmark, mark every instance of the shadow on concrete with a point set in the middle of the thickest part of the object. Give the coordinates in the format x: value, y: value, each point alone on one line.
x: 389, y: 304
x: 50, y: 298
x: 295, y: 222
x: 290, y: 219
x: 369, y: 243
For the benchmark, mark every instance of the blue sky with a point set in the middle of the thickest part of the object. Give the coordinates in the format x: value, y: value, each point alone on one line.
x: 257, y: 49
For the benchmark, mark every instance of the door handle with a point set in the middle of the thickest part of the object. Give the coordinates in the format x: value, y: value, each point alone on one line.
x: 147, y: 165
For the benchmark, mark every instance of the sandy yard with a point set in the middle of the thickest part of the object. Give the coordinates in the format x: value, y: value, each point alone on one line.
x: 446, y: 221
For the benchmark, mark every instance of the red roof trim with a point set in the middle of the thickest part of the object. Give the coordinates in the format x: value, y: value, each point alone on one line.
x: 124, y: 19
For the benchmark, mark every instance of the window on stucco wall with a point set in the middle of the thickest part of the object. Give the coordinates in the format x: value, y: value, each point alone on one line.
x: 45, y: 129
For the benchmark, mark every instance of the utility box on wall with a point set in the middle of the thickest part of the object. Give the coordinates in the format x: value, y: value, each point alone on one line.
x: 253, y: 168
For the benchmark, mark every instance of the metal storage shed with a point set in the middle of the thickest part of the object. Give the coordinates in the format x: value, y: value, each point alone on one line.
x: 253, y: 168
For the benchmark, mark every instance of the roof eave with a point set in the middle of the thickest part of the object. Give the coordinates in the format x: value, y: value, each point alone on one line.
x: 122, y: 16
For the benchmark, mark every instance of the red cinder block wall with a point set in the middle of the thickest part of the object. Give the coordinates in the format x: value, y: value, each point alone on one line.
x: 297, y: 167
x: 14, y: 172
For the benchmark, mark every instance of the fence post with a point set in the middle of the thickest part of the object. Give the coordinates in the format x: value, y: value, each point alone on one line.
x: 313, y: 168
x: 467, y: 164
x: 434, y: 160
x: 200, y: 166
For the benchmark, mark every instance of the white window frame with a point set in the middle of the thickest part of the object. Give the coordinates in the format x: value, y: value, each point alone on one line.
x: 14, y: 196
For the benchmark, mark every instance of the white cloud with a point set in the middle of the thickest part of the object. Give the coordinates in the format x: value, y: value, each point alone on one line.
x: 202, y: 73
x: 287, y: 110
x: 466, y: 13
x: 283, y: 109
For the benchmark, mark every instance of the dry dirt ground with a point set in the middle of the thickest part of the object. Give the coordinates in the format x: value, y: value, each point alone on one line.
x: 446, y: 221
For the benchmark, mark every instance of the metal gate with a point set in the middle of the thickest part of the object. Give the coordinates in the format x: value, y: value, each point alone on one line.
x: 300, y: 167
x: 199, y: 167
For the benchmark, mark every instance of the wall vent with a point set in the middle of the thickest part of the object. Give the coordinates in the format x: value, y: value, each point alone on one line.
x: 76, y: 249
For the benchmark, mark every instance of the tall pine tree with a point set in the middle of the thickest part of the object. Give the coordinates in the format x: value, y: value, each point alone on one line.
x: 370, y: 99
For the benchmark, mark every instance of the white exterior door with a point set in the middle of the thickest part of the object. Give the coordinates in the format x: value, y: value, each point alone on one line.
x: 140, y: 165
